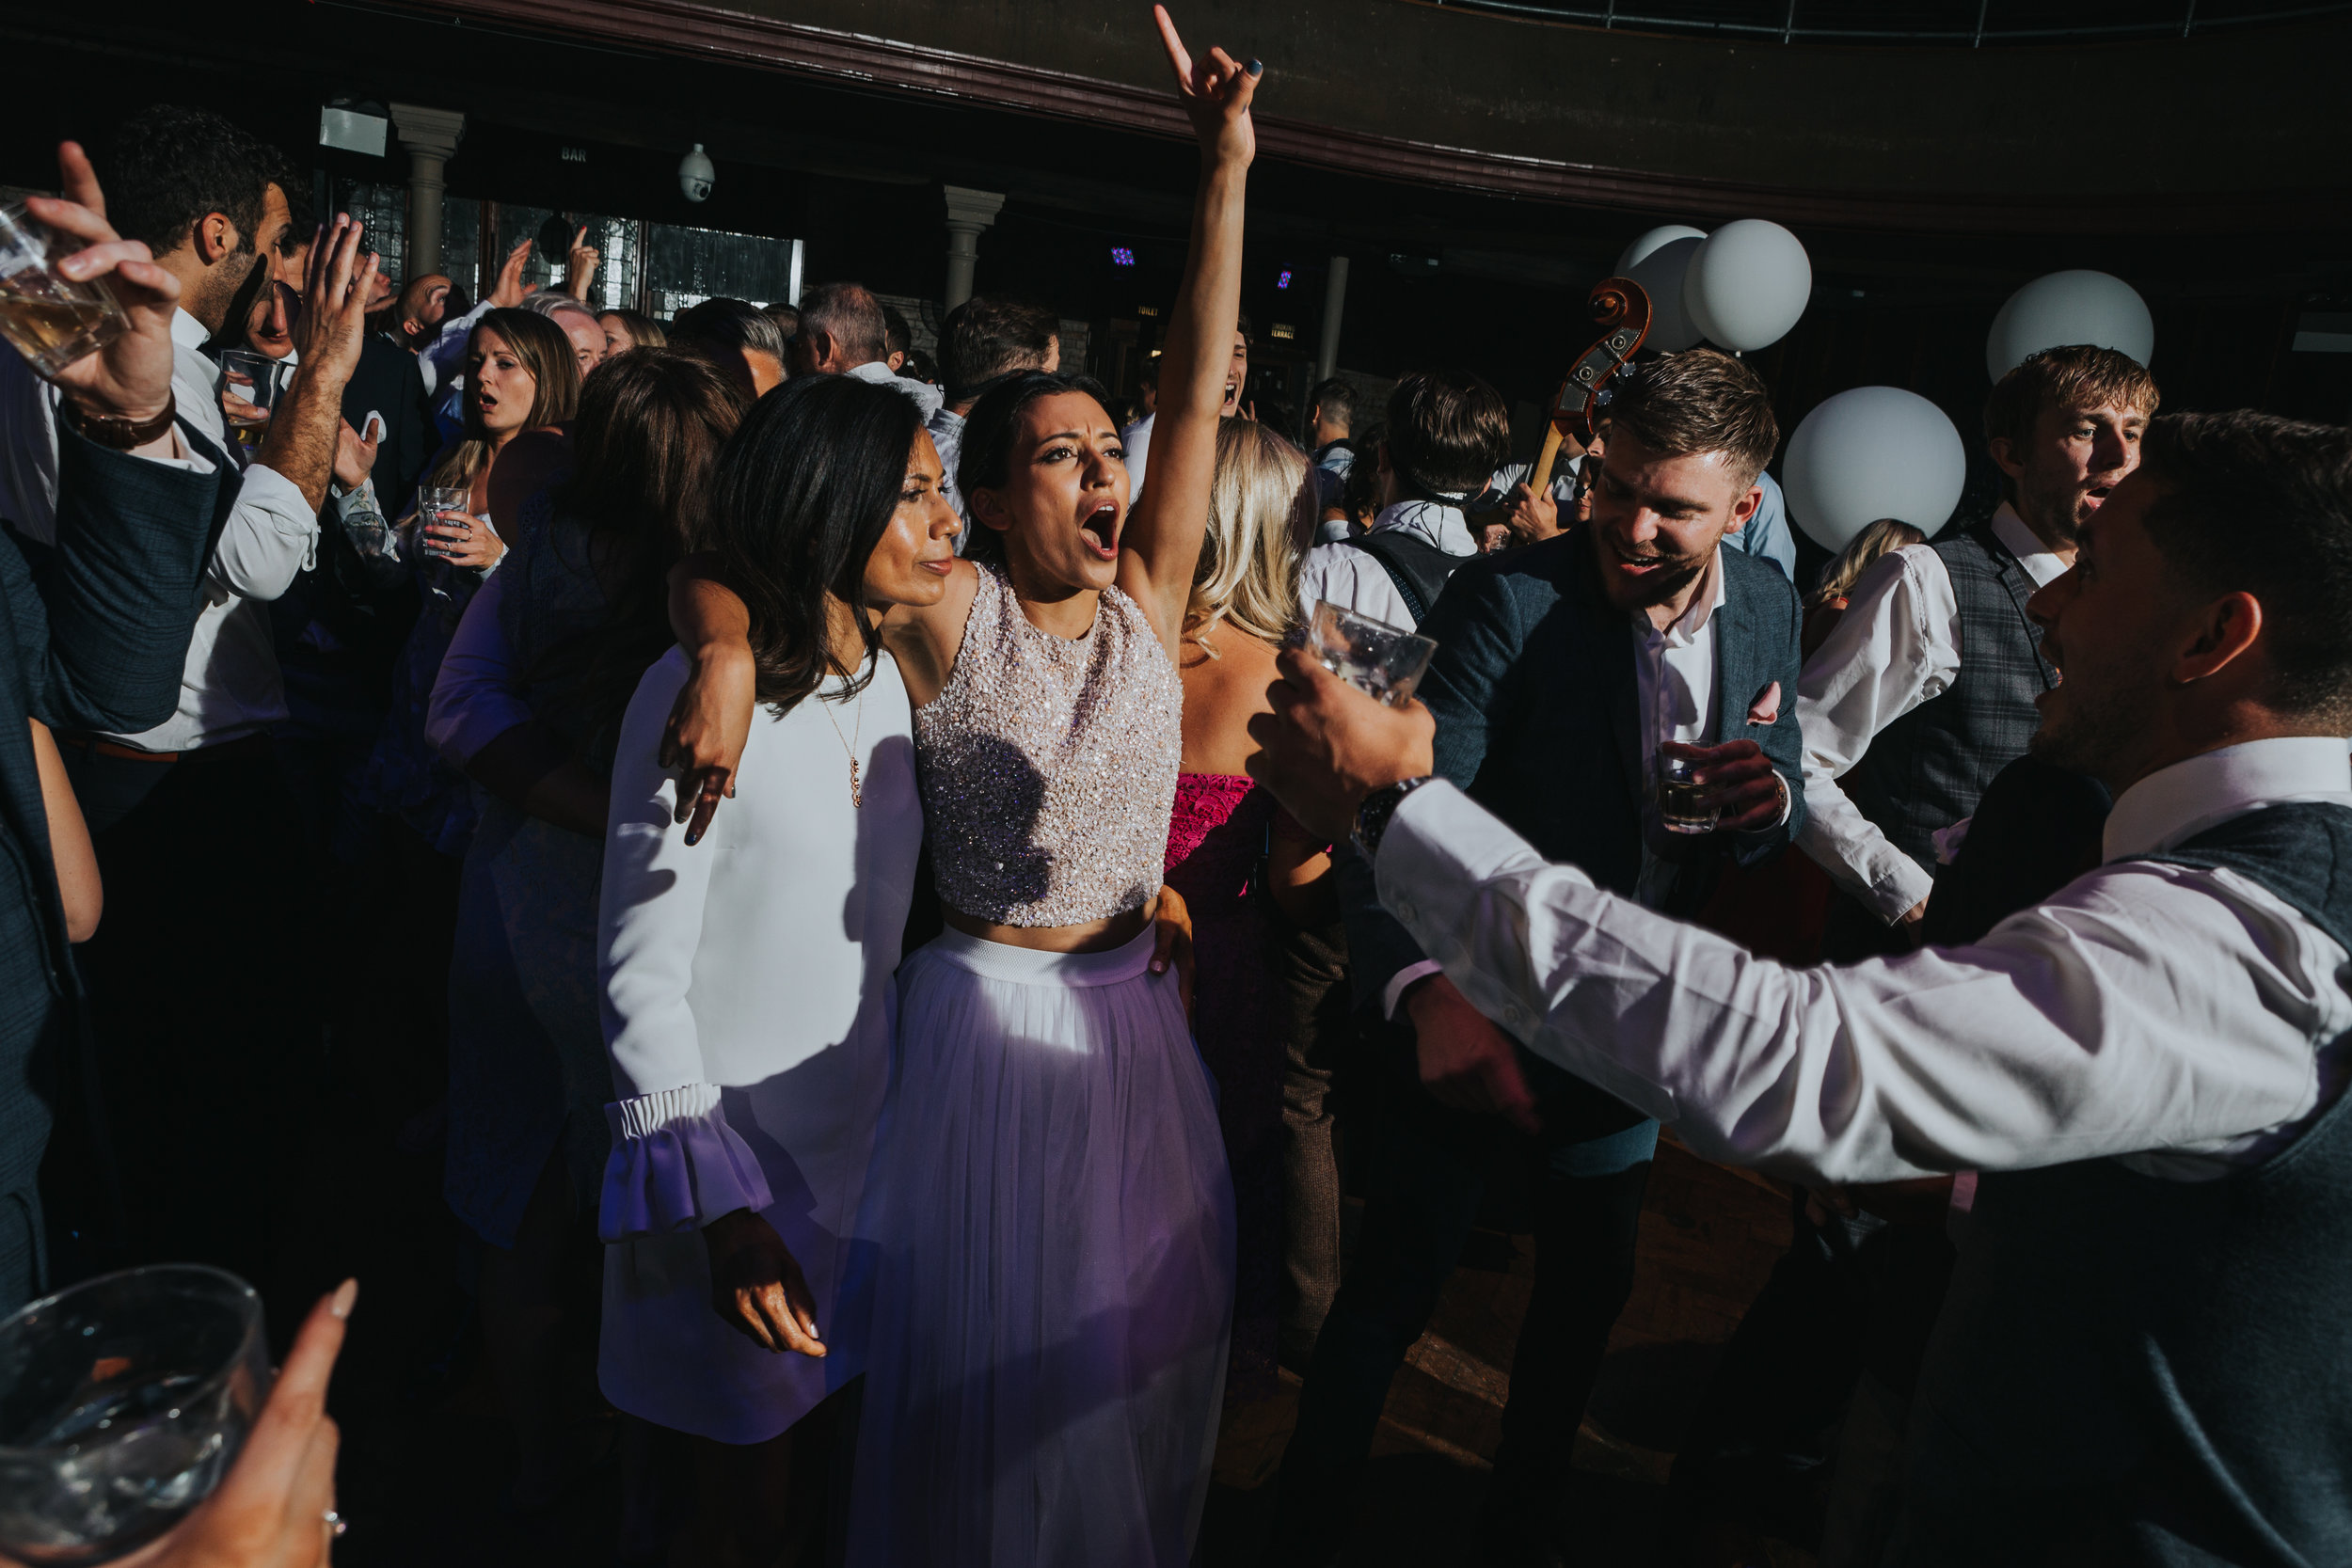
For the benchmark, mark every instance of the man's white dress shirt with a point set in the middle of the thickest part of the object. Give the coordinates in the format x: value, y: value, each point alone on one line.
x: 1346, y: 576
x: 2182, y: 1017
x: 231, y: 685
x: 1897, y: 645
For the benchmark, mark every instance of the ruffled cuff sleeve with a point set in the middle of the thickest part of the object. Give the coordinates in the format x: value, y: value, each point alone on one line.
x: 676, y: 1166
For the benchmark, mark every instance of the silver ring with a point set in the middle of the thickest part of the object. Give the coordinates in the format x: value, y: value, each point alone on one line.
x: 335, y: 1523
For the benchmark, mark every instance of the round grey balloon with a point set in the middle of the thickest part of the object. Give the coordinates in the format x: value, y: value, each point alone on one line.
x: 2065, y: 308
x: 1660, y: 273
x: 1872, y: 453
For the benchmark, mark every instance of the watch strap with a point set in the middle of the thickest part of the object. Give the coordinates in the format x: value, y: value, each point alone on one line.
x: 1372, y: 816
x: 114, y: 430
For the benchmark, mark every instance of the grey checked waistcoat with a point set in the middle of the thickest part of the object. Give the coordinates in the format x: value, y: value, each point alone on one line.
x: 1925, y: 770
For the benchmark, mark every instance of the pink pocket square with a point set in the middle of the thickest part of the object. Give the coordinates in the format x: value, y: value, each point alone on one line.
x: 1766, y: 709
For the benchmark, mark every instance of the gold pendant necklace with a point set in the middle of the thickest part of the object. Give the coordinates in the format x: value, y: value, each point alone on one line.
x: 857, y: 794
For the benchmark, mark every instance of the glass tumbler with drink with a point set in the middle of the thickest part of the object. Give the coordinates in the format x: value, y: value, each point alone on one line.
x: 254, y: 380
x: 123, y: 1402
x: 52, y: 321
x: 1372, y: 655
x: 436, y: 504
x: 1683, y: 807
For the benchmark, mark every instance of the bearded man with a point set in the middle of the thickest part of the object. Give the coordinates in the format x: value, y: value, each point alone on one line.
x: 1926, y: 688
x: 1563, y: 672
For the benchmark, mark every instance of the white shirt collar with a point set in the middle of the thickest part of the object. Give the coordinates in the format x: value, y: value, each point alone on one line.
x: 2176, y: 804
x: 1433, y: 522
x: 187, y: 332
x: 2033, y: 554
x: 1696, y: 615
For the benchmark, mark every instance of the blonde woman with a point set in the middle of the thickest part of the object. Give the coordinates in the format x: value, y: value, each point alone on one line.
x: 1231, y: 849
x: 522, y: 387
x: 1827, y: 602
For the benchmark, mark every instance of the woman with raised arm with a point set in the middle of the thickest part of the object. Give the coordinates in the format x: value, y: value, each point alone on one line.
x: 1049, y: 1192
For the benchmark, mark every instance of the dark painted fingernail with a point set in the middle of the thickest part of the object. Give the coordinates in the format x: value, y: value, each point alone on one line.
x: 1255, y: 68
x: 693, y: 837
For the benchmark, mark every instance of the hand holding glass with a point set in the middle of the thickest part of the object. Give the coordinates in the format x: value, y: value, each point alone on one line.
x: 1373, y: 656
x: 52, y: 320
x: 1684, y: 805
x: 253, y: 379
x: 122, y: 1403
x: 434, y: 503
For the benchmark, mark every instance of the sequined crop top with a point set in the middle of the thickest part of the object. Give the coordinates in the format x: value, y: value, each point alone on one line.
x: 1048, y: 764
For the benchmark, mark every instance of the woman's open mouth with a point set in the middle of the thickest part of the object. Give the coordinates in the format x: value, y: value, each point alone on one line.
x: 1101, y: 530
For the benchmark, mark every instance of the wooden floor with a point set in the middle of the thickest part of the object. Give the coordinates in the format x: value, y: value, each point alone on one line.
x: 1709, y: 1238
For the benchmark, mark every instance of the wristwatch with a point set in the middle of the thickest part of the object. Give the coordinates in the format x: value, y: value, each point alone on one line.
x: 1371, y: 818
x: 113, y: 430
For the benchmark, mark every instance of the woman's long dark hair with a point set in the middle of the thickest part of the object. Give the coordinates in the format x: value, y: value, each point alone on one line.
x: 805, y: 488
x: 644, y: 453
x: 985, y: 462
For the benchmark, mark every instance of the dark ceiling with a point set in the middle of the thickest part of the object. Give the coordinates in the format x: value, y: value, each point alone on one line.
x: 1963, y: 24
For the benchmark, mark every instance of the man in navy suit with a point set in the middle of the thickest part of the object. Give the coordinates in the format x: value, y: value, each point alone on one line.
x: 1563, y: 672
x: 93, y: 634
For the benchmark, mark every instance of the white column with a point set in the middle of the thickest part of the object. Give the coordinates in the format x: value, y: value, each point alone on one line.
x: 431, y: 136
x: 968, y: 213
x: 1334, y: 302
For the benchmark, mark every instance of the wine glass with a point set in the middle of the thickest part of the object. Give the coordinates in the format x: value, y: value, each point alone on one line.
x: 123, y: 1402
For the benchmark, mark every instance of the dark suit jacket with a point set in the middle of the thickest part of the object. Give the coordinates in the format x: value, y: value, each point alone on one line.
x: 95, y: 643
x: 387, y: 381
x: 1534, y: 689
x: 338, y: 632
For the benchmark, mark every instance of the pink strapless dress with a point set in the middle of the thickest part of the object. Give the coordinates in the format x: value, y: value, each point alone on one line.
x: 1217, y: 843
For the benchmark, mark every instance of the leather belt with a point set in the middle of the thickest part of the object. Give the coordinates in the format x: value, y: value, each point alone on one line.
x: 99, y: 746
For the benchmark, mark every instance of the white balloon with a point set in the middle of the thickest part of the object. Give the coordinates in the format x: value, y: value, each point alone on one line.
x: 1872, y: 453
x: 1631, y: 256
x: 1747, y: 284
x: 1659, y: 271
x: 2067, y: 307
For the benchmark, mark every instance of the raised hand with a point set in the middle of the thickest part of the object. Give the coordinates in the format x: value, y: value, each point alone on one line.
x: 131, y: 377
x: 1215, y: 93
x: 354, y: 454
x: 335, y: 290
x: 1326, y: 745
x: 511, y: 288
x: 580, y: 268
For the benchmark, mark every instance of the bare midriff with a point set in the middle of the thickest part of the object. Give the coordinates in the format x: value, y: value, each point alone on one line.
x: 1091, y: 936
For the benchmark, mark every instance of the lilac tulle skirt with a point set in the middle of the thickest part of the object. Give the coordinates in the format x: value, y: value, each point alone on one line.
x: 1055, y: 1283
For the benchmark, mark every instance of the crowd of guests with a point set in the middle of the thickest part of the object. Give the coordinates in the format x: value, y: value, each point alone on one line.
x: 915, y: 957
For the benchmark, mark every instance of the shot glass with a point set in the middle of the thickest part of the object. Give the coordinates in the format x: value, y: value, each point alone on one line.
x: 1372, y: 655
x: 122, y: 1403
x: 1682, y: 806
x: 52, y: 321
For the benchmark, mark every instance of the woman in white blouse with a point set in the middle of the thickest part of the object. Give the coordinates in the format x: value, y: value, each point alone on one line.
x: 748, y: 992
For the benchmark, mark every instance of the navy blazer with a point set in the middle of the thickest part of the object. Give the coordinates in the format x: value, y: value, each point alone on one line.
x: 96, y: 644
x: 1534, y: 694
